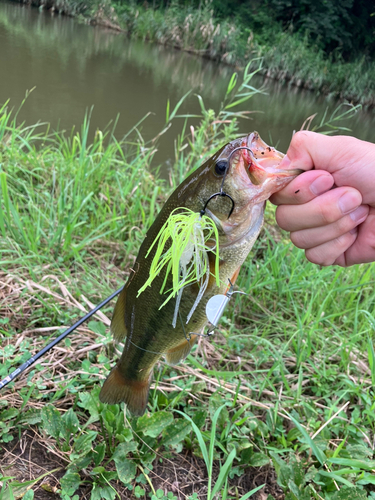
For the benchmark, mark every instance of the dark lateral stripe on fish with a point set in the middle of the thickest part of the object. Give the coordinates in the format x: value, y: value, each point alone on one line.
x: 134, y: 393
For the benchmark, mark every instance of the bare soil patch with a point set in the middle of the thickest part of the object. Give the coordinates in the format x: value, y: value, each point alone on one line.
x: 183, y: 474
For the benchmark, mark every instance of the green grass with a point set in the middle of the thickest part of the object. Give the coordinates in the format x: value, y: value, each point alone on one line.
x: 282, y: 395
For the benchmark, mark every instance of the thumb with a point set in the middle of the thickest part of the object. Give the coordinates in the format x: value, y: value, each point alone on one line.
x: 309, y: 150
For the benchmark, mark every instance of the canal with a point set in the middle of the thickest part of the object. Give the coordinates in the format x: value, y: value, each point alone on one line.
x: 71, y: 68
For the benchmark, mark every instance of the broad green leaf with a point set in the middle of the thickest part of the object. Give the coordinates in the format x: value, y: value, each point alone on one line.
x: 51, y: 421
x: 367, y: 479
x: 126, y: 470
x: 8, y: 414
x: 98, y: 453
x: 154, y: 425
x: 83, y: 443
x: 216, y: 401
x: 284, y: 475
x: 31, y: 417
x: 258, y: 460
x: 123, y: 449
x: 97, y: 327
x: 176, y: 432
x: 71, y: 423
x: 199, y: 418
x: 102, y: 492
x: 81, y: 463
x: 359, y: 451
x: 109, y: 417
x: 98, y: 470
x: 354, y: 493
x: 89, y: 403
x: 298, y: 473
x: 70, y: 483
x: 294, y: 491
x: 126, y: 435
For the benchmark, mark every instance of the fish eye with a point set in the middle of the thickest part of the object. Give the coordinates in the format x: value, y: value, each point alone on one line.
x: 221, y: 167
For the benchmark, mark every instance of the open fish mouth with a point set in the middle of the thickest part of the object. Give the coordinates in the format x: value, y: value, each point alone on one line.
x: 264, y: 161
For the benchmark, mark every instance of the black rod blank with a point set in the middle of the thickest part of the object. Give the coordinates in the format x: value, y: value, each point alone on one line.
x: 32, y: 360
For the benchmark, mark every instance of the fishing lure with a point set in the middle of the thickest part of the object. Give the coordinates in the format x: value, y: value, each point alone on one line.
x: 183, y: 246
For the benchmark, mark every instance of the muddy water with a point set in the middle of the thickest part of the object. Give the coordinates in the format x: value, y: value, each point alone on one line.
x: 73, y: 68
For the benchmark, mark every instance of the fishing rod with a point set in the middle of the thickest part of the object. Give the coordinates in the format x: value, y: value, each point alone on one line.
x: 32, y: 360
x: 222, y: 300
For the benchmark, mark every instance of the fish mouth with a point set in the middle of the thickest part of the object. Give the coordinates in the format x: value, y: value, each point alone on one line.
x: 264, y: 163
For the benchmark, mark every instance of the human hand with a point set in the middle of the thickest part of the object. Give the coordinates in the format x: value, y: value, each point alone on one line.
x: 334, y: 226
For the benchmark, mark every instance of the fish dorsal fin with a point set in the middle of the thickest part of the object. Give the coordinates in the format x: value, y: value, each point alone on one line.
x: 179, y: 353
x: 118, y: 327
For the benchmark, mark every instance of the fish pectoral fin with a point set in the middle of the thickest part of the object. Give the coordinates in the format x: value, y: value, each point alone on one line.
x: 179, y: 353
x: 134, y: 393
x: 118, y: 327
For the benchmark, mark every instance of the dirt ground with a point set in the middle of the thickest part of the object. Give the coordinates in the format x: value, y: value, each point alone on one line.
x: 183, y: 474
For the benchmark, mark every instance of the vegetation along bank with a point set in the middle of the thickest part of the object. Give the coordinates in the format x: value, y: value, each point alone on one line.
x: 279, y: 400
x: 326, y: 46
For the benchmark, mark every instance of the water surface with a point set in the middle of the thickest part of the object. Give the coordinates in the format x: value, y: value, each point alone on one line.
x: 72, y: 68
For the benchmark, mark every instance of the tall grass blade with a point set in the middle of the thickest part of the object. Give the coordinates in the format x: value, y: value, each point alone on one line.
x: 202, y: 444
x: 224, y: 471
x: 320, y: 456
x: 251, y: 493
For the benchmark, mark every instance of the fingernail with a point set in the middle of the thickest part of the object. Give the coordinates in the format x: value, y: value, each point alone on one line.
x: 348, y: 202
x: 359, y: 213
x: 321, y: 185
x: 354, y: 230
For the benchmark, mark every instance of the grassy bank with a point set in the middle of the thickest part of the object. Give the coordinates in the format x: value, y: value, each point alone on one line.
x: 281, y: 396
x: 287, y: 56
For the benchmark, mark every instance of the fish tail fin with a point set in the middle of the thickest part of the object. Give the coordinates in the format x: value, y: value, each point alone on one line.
x: 179, y: 353
x: 134, y: 393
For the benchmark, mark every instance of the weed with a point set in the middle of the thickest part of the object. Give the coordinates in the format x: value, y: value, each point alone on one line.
x: 281, y: 400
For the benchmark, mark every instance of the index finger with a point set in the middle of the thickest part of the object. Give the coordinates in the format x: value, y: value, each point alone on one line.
x: 304, y: 188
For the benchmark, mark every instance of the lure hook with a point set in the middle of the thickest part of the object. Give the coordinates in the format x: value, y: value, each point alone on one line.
x: 222, y: 192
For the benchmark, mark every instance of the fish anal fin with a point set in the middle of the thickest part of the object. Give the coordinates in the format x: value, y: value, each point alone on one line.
x: 118, y: 327
x: 134, y: 393
x: 179, y: 353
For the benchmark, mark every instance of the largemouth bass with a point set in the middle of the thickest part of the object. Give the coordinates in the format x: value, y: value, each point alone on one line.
x: 246, y: 170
